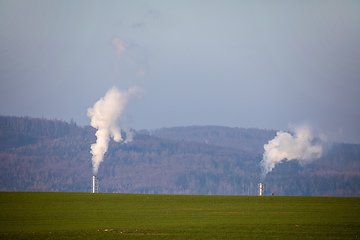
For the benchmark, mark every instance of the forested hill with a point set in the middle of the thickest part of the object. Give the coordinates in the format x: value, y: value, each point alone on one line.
x: 247, y: 139
x: 53, y: 155
x: 19, y: 131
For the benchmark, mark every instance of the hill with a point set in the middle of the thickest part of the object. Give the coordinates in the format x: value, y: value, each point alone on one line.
x: 251, y: 139
x: 53, y: 155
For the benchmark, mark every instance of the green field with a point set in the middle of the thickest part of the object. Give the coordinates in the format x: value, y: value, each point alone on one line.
x: 30, y: 215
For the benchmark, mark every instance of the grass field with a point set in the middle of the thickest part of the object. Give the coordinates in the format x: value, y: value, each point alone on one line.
x: 30, y: 215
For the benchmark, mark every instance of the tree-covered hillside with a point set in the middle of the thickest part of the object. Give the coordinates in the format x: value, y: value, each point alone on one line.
x: 53, y: 155
x: 247, y: 139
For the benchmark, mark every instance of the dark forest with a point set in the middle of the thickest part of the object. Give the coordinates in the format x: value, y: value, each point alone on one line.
x: 53, y: 155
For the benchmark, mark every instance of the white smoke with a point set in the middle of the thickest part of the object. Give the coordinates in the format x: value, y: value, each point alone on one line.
x: 129, y: 135
x: 104, y: 116
x: 300, y: 146
x: 119, y: 45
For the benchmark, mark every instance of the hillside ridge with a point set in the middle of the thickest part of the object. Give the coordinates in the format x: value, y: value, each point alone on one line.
x: 53, y: 155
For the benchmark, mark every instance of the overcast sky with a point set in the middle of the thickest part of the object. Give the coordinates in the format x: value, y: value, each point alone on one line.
x: 264, y: 64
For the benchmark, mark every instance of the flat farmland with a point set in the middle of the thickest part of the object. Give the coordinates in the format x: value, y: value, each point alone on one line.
x: 44, y: 215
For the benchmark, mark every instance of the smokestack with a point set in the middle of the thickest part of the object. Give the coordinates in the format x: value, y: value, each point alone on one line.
x: 261, y: 189
x: 94, y: 185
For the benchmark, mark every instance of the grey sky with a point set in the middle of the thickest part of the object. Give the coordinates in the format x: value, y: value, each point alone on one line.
x: 265, y: 64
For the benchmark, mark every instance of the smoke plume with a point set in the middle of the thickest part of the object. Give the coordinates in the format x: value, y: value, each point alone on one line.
x: 301, y: 146
x: 104, y: 116
x: 119, y: 45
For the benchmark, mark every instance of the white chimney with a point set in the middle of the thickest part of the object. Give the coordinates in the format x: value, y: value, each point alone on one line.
x: 94, y: 185
x: 261, y: 189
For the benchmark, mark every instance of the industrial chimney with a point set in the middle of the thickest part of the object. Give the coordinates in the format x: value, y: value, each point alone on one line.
x: 94, y: 185
x: 261, y: 189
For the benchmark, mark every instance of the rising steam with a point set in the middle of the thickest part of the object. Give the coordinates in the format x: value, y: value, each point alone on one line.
x: 119, y: 45
x: 104, y: 116
x: 301, y: 146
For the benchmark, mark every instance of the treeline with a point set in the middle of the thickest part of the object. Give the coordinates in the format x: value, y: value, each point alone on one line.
x: 53, y: 155
x: 155, y: 165
x: 247, y: 139
x: 37, y: 126
x: 20, y: 131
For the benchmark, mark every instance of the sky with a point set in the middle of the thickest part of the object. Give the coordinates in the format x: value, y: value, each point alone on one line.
x: 263, y: 64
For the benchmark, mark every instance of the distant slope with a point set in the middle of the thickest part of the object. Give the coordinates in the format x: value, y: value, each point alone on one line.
x: 155, y: 165
x: 45, y: 155
x: 247, y: 139
x: 21, y: 131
